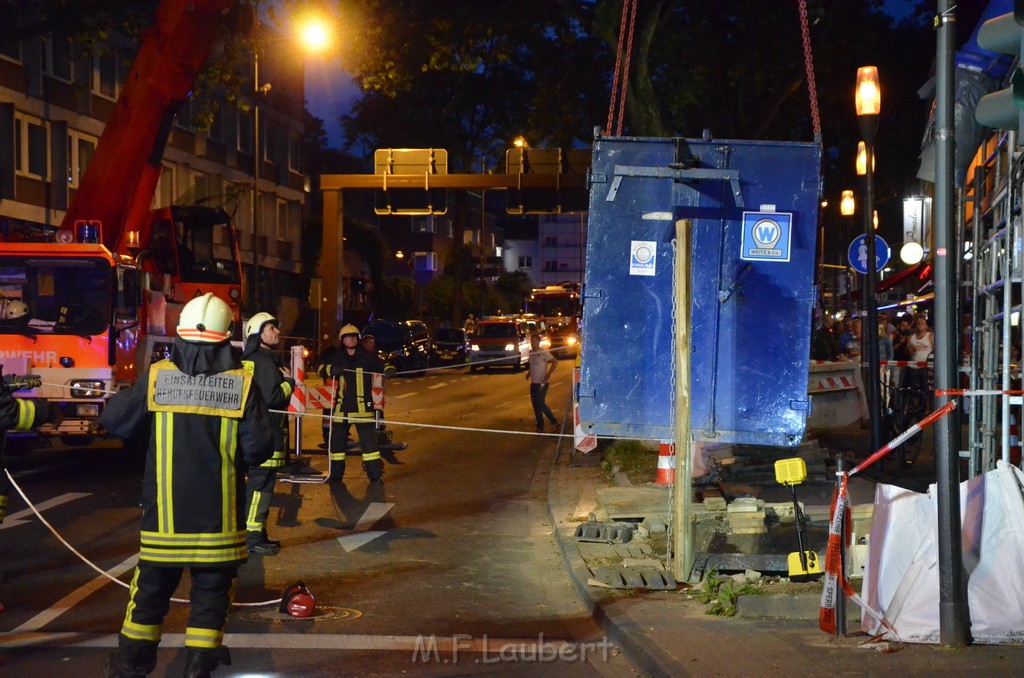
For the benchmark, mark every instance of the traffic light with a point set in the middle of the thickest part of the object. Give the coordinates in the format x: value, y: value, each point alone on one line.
x: 420, y: 162
x: 1003, y: 34
x: 550, y: 180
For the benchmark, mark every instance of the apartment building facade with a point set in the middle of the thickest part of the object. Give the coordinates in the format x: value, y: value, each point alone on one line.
x: 54, y: 99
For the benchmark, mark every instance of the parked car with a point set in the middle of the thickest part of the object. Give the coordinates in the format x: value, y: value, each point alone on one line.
x: 451, y: 345
x: 404, y: 344
x: 499, y: 341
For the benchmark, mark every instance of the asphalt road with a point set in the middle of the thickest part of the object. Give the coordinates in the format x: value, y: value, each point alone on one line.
x: 450, y: 569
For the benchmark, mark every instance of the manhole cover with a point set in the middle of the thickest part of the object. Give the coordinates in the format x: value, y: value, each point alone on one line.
x: 323, y: 613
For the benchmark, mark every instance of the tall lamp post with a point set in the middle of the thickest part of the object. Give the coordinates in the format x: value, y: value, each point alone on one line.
x: 869, y: 99
x: 314, y: 35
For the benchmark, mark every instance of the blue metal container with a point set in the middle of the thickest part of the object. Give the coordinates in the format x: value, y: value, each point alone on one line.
x: 754, y: 212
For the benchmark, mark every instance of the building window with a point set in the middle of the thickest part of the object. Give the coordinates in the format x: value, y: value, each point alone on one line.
x: 31, y: 146
x: 10, y: 46
x: 427, y: 225
x: 525, y: 262
x: 201, y: 187
x: 550, y: 266
x: 244, y: 140
x: 295, y: 153
x: 550, y: 241
x: 80, y: 149
x: 165, y: 192
x: 105, y: 67
x: 56, y: 53
x: 269, y: 140
x: 424, y: 261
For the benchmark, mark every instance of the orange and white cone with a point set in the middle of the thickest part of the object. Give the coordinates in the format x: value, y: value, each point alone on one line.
x: 666, y: 463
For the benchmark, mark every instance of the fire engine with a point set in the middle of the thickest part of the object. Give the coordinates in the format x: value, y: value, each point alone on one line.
x: 83, y: 310
x: 559, y: 307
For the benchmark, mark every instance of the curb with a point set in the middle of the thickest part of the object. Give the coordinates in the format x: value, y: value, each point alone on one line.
x: 645, y: 657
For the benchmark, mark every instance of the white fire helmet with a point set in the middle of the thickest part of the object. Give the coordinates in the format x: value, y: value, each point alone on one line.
x: 257, y: 322
x: 206, y: 320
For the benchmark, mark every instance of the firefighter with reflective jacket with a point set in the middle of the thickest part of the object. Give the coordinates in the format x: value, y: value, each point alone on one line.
x: 262, y: 335
x: 18, y: 414
x: 207, y: 424
x: 354, y: 366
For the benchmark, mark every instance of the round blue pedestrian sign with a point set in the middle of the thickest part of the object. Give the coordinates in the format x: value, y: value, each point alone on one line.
x: 858, y: 254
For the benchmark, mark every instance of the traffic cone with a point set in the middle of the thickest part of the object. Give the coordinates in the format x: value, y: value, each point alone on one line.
x: 666, y: 464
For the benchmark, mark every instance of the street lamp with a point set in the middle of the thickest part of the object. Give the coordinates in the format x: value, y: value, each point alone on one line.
x: 869, y: 103
x: 314, y: 35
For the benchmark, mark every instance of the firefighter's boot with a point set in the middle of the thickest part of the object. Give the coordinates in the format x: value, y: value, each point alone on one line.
x: 374, y: 471
x: 115, y: 666
x: 199, y: 664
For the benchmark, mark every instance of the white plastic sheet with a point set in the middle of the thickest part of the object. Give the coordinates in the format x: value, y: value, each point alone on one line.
x: 901, y: 577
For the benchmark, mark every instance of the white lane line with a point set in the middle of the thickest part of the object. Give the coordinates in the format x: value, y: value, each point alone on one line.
x: 404, y: 395
x: 78, y: 595
x: 304, y: 641
x: 21, y: 517
x: 441, y: 385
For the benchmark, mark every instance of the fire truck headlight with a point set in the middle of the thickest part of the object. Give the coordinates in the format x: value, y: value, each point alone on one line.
x: 510, y: 347
x: 570, y: 340
x: 474, y: 347
x: 88, y: 409
x: 85, y: 388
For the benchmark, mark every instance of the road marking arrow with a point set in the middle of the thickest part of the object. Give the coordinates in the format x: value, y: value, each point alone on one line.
x: 22, y: 516
x: 360, y: 536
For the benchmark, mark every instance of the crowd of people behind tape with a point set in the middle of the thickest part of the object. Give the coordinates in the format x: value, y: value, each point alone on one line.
x: 909, y: 339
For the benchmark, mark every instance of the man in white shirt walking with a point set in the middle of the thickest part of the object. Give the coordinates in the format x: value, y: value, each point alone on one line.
x: 542, y: 364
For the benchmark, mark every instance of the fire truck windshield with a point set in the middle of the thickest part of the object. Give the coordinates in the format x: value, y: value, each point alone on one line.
x: 55, y: 296
x: 554, y: 306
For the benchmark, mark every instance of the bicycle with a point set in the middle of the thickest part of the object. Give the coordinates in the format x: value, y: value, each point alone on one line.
x: 907, y: 406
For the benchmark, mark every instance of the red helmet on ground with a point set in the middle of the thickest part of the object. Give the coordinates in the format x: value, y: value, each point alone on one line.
x: 297, y: 601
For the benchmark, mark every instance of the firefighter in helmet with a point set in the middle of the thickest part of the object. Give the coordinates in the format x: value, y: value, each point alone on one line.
x: 207, y: 424
x: 354, y: 366
x: 262, y: 335
x: 18, y: 414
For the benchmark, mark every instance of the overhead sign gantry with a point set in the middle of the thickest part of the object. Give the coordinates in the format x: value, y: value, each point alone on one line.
x: 412, y: 181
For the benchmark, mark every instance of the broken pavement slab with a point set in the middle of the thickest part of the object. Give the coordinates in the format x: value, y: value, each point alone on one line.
x: 633, y: 502
x: 606, y: 533
x: 635, y: 578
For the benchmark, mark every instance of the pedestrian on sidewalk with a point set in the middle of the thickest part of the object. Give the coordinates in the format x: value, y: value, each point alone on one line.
x: 262, y: 336
x: 542, y: 364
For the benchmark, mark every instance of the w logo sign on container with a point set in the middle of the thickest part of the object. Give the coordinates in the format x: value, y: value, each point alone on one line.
x: 766, y: 236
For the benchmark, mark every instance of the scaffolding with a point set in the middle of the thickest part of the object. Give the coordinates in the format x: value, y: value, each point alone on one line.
x: 989, y: 229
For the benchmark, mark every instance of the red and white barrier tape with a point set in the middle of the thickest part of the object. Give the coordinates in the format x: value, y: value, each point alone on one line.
x: 835, y: 579
x: 968, y: 393
x: 903, y: 437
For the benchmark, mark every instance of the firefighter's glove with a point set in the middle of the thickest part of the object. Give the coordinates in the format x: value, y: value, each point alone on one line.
x: 336, y: 371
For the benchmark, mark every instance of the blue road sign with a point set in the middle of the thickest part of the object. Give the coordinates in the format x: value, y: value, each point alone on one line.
x: 858, y: 254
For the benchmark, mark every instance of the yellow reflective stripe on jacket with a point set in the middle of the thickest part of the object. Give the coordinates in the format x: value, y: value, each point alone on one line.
x: 228, y: 444
x: 196, y: 547
x: 277, y: 460
x: 205, y: 638
x: 249, y: 366
x: 164, y: 471
x: 286, y: 387
x: 26, y: 414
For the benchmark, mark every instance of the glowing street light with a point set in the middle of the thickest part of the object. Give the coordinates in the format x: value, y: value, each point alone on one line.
x: 848, y: 205
x: 869, y: 105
